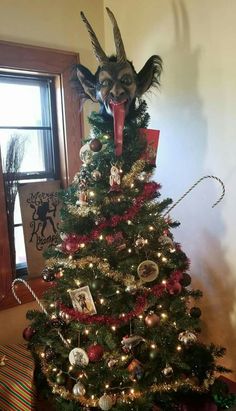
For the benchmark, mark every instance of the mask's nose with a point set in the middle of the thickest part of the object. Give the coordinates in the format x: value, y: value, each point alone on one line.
x: 117, y: 91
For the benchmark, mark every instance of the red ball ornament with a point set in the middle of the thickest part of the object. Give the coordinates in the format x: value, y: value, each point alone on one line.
x: 195, y: 312
x: 28, y: 333
x: 95, y: 352
x: 151, y: 320
x: 95, y: 145
x: 175, y: 288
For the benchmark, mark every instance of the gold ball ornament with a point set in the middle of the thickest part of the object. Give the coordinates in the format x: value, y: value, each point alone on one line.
x: 105, y: 402
x: 60, y: 379
x: 152, y: 319
x: 79, y: 389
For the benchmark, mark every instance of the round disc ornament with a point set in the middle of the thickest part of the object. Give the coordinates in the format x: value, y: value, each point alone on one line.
x: 79, y: 357
x: 86, y: 154
x: 148, y: 271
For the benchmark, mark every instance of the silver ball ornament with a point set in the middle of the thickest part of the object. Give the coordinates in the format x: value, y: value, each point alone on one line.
x: 105, y: 402
x: 187, y: 337
x: 96, y: 175
x: 167, y: 371
x: 79, y: 389
x: 140, y: 242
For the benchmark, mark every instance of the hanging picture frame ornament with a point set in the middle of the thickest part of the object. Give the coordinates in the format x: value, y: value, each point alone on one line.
x: 78, y: 357
x: 148, y: 271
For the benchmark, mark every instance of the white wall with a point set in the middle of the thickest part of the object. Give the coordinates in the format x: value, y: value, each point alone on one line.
x: 195, y: 111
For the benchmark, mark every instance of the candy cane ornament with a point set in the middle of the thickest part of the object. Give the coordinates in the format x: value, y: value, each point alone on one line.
x: 20, y: 280
x: 192, y: 187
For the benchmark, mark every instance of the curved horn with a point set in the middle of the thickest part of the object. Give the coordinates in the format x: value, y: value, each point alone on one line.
x: 120, y: 50
x: 99, y: 53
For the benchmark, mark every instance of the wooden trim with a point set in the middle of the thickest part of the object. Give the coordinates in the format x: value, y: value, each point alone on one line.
x: 5, y: 257
x: 59, y: 64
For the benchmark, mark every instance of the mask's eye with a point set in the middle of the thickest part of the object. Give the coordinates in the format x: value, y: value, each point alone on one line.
x: 107, y: 82
x: 127, y: 80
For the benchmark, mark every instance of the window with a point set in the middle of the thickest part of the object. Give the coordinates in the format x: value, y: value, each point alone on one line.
x: 27, y: 107
x: 50, y: 124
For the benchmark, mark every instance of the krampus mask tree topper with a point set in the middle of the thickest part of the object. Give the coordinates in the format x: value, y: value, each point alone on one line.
x: 116, y: 85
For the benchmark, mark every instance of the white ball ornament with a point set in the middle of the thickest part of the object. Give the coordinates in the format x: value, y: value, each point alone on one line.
x: 79, y: 389
x: 105, y: 402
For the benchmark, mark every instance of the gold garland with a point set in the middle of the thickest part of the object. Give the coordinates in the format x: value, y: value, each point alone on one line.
x: 127, y: 279
x: 82, y: 211
x: 128, y: 396
x: 136, y: 169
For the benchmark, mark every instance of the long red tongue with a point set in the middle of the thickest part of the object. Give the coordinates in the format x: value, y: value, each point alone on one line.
x: 119, y: 121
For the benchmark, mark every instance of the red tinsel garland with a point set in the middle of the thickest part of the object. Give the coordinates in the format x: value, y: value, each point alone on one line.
x: 140, y: 305
x: 72, y: 242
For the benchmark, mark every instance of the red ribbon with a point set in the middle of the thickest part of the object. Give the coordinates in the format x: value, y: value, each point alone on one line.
x: 72, y: 242
x: 140, y: 306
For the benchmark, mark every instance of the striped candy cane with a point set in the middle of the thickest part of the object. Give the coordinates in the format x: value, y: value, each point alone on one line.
x: 20, y: 280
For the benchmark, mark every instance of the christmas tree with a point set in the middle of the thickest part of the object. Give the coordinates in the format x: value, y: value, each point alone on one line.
x: 120, y: 327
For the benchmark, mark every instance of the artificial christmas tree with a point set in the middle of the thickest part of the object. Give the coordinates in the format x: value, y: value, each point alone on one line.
x: 119, y: 328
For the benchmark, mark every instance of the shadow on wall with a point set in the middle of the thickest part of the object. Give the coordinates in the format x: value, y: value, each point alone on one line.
x: 218, y: 302
x: 182, y: 152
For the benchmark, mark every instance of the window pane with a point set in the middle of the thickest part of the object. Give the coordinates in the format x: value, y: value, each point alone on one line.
x: 37, y: 148
x: 21, y: 102
x: 17, y: 212
x: 20, y: 246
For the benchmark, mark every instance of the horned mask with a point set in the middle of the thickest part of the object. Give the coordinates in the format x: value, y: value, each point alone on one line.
x: 116, y: 84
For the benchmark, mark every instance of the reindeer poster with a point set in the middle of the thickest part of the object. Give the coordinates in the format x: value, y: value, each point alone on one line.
x: 39, y: 204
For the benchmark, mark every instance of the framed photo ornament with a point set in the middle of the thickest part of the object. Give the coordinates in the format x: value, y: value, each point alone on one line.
x: 82, y: 300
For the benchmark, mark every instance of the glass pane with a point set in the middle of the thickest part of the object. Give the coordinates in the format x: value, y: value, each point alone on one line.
x: 22, y: 102
x: 20, y: 246
x: 17, y: 212
x: 36, y: 146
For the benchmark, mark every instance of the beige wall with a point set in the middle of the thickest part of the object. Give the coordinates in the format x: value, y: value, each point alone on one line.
x: 194, y: 111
